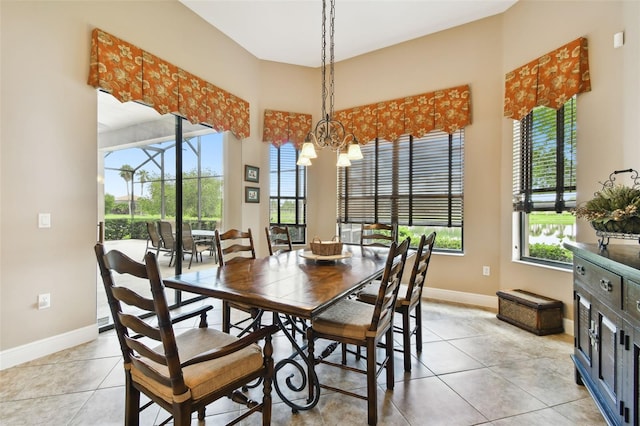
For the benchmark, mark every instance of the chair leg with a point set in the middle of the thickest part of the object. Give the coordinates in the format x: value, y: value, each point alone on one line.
x: 406, y: 339
x: 419, y: 327
x: 132, y: 403
x: 372, y: 391
x: 226, y: 316
x: 389, y: 363
x: 181, y: 414
x: 191, y: 259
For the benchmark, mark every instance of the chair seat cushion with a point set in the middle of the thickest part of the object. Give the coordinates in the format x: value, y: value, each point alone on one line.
x: 347, y: 318
x: 206, y: 377
x: 369, y: 294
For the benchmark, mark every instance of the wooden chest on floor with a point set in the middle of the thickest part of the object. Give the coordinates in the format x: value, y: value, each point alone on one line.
x: 532, y: 312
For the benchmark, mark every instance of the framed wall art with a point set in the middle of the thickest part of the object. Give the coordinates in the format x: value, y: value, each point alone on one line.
x: 251, y: 174
x: 251, y: 194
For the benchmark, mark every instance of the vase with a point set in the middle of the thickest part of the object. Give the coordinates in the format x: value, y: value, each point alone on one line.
x: 627, y: 226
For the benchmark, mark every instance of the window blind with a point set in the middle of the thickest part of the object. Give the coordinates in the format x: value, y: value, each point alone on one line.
x: 544, y: 167
x: 287, y: 192
x: 411, y: 182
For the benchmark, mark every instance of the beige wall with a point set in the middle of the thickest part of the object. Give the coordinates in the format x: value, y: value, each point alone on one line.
x: 48, y: 152
x: 601, y: 121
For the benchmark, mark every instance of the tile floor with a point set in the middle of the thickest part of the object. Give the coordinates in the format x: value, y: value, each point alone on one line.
x: 474, y: 369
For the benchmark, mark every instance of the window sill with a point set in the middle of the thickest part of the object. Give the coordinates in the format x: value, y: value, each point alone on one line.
x: 567, y: 269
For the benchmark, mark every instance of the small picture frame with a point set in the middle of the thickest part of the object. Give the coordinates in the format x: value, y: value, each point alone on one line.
x: 251, y: 174
x: 251, y: 194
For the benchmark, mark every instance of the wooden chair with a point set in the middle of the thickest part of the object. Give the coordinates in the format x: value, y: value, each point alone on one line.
x: 377, y: 235
x: 191, y: 246
x: 168, y: 239
x: 236, y: 246
x: 185, y: 372
x: 278, y: 239
x: 351, y: 322
x: 409, y: 298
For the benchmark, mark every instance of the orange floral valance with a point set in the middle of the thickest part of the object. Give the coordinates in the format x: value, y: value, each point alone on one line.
x: 131, y: 74
x: 448, y: 110
x: 551, y: 80
x: 281, y: 127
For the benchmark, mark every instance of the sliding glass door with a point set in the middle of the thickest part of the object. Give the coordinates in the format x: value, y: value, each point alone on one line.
x: 155, y: 168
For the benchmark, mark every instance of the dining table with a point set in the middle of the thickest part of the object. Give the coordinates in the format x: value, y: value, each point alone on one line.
x: 292, y: 285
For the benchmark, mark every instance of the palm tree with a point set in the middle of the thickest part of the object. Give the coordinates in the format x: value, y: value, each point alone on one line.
x: 126, y: 173
x: 143, y: 175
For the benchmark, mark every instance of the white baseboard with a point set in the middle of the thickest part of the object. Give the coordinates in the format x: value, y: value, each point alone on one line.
x: 481, y: 300
x: 568, y: 326
x: 29, y: 352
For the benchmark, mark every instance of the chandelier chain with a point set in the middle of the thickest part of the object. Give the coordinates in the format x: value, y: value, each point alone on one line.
x: 323, y: 58
x: 332, y: 17
x: 328, y: 131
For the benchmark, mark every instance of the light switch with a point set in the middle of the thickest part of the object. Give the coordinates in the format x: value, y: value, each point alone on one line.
x: 618, y: 39
x: 44, y: 220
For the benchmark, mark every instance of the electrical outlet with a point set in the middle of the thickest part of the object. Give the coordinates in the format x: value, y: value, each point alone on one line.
x: 486, y: 271
x: 44, y: 300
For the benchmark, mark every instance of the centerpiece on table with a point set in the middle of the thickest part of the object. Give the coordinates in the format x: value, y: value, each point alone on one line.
x: 615, y: 209
x: 326, y: 248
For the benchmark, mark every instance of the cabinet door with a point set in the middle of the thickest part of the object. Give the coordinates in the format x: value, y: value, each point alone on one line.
x: 631, y: 392
x: 609, y: 359
x: 584, y: 326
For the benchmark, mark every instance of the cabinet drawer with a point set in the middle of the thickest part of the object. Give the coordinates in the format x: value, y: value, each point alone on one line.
x: 632, y: 299
x: 604, y: 284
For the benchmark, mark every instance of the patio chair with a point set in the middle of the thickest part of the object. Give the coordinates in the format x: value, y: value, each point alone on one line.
x: 168, y: 239
x: 154, y: 239
x: 193, y: 247
x: 185, y: 372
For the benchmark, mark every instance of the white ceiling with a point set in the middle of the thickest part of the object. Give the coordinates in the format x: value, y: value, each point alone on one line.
x: 289, y: 31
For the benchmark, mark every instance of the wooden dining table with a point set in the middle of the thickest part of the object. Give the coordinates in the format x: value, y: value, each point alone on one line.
x: 291, y: 285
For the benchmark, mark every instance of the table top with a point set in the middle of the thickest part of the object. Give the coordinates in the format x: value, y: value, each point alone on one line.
x: 286, y: 283
x: 203, y: 232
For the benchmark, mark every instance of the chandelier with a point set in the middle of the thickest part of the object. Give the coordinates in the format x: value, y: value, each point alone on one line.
x: 329, y: 132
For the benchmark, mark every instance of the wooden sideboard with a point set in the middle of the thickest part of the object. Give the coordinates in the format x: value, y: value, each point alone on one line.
x: 606, y: 299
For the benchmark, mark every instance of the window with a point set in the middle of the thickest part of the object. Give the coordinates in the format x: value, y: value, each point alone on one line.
x: 544, y: 183
x: 288, y: 191
x: 414, y: 183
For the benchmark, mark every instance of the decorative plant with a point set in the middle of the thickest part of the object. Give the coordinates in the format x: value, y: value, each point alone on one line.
x: 614, y: 208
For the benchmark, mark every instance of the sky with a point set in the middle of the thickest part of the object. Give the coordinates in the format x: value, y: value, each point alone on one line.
x: 211, y: 159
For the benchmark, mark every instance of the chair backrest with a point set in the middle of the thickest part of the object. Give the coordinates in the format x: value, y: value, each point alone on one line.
x: 166, y: 232
x: 239, y: 245
x: 278, y: 239
x: 420, y: 266
x: 188, y: 243
x: 377, y: 235
x: 389, y: 286
x: 134, y: 333
x: 154, y: 235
